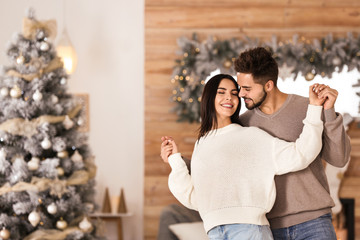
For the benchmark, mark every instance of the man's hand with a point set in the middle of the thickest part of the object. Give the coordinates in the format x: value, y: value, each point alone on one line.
x: 330, y: 96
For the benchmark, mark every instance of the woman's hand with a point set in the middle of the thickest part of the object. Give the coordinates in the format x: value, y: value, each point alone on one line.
x: 168, y: 147
x: 315, y: 96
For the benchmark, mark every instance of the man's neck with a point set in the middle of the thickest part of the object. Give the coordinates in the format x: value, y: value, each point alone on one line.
x: 273, y: 102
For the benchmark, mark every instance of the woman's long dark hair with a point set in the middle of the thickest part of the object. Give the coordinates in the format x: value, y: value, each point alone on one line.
x: 207, y: 108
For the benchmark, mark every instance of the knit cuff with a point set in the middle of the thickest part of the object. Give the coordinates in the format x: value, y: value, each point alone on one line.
x: 329, y: 115
x: 313, y: 114
x: 176, y: 161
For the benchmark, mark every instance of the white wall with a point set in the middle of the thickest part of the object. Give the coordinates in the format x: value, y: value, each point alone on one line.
x: 109, y: 39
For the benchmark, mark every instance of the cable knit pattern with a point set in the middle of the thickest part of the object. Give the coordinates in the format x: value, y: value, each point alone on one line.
x: 233, y: 171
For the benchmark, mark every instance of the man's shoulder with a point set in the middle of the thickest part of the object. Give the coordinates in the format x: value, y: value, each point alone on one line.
x: 297, y: 99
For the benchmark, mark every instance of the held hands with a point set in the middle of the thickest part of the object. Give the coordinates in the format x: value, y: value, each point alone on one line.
x: 168, y: 147
x: 320, y: 94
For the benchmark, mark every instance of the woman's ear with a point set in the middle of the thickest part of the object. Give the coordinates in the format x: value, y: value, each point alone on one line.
x: 269, y: 85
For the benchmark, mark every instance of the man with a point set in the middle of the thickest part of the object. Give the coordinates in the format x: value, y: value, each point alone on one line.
x: 302, y: 208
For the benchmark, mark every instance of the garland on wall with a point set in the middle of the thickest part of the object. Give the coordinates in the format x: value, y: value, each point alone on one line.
x: 298, y: 55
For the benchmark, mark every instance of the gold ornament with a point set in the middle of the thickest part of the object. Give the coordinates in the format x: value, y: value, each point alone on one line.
x: 15, y: 92
x: 61, y: 224
x: 309, y: 76
x: 63, y: 154
x: 4, y: 234
x: 60, y: 171
x: 227, y: 64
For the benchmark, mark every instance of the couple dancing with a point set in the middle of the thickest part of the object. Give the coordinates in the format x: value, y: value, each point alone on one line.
x: 233, y: 166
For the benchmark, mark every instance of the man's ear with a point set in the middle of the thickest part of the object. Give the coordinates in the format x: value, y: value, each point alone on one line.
x: 269, y: 85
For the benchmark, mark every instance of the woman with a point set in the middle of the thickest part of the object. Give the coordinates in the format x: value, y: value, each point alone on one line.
x: 233, y: 167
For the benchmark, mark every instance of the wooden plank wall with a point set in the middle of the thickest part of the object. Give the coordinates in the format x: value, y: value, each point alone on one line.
x: 167, y: 20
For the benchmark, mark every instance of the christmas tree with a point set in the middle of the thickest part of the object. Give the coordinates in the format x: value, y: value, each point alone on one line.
x: 46, y: 168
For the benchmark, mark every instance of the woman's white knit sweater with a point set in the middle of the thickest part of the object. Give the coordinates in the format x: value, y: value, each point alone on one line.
x: 233, y: 169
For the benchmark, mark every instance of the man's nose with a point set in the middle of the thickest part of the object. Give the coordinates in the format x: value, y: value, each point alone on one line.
x: 241, y: 93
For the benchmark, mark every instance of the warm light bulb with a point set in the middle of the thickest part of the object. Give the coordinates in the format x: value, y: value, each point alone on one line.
x: 67, y: 53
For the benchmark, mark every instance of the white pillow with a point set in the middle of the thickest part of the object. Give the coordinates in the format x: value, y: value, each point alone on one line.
x: 189, y: 231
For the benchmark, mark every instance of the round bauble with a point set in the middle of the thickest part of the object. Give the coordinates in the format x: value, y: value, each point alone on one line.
x: 60, y: 171
x: 336, y: 61
x: 63, y: 81
x: 37, y: 96
x: 227, y: 64
x: 80, y: 121
x: 44, y: 46
x: 61, y: 224
x: 34, y: 218
x: 15, y: 92
x: 54, y: 99
x: 309, y: 76
x: 63, y: 154
x: 46, y: 144
x: 20, y: 59
x: 85, y: 225
x: 33, y: 164
x: 4, y: 91
x: 52, y: 208
x: 4, y: 234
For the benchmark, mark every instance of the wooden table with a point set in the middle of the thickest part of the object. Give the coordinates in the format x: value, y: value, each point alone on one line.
x: 113, y: 217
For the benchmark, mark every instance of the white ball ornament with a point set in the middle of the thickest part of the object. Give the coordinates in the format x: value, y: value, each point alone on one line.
x: 54, y: 99
x: 15, y: 92
x: 33, y: 164
x: 34, y: 218
x: 4, y: 234
x: 44, y: 46
x: 63, y: 81
x: 20, y: 59
x: 80, y: 121
x: 37, y: 96
x: 85, y: 225
x: 52, y: 208
x: 61, y: 224
x: 46, y: 144
x: 4, y: 91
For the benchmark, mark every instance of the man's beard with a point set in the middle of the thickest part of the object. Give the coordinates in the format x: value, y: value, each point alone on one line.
x: 258, y: 103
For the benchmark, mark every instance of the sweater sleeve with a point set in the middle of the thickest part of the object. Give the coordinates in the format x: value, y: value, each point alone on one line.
x: 180, y: 183
x: 336, y: 143
x: 295, y: 156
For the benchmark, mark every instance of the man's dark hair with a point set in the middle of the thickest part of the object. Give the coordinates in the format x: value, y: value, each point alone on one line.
x: 259, y: 63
